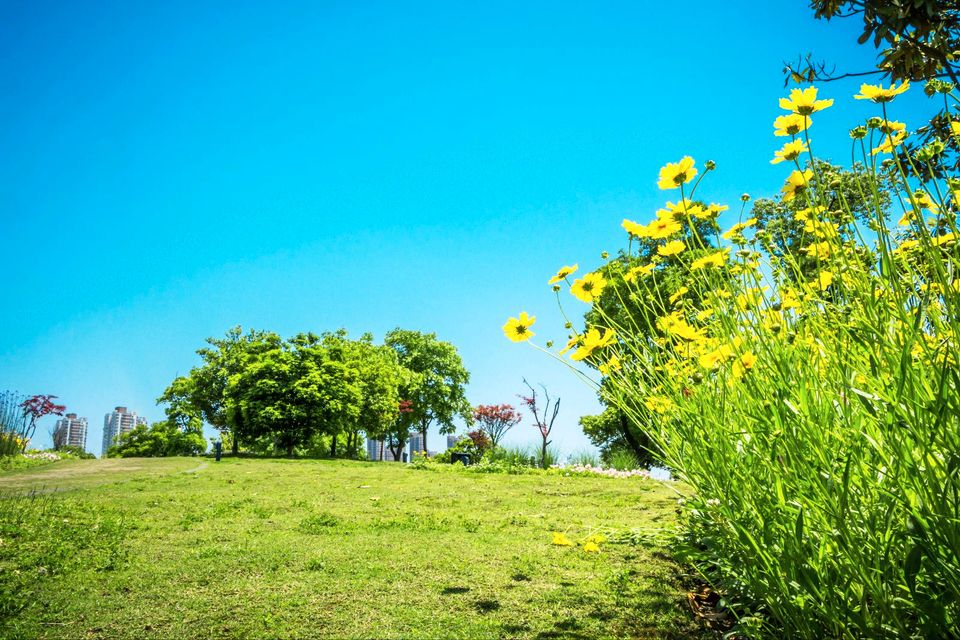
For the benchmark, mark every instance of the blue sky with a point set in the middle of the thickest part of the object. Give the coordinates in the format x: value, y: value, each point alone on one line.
x: 169, y: 171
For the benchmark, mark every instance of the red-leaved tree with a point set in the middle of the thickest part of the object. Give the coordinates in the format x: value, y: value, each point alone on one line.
x: 496, y: 419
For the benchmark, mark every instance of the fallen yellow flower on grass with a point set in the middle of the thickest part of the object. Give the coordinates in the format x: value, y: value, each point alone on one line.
x: 563, y: 273
x: 561, y: 540
x: 518, y: 329
x: 591, y: 547
x: 674, y: 174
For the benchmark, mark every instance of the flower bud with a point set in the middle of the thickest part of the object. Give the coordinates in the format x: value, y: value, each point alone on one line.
x: 710, y: 165
x: 858, y: 133
x: 567, y: 325
x: 745, y: 197
x: 556, y: 288
x: 604, y: 255
x: 549, y: 343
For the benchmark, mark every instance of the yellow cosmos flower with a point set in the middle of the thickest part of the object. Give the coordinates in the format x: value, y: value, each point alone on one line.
x: 563, y: 273
x: 635, y: 229
x: 805, y: 214
x: 561, y: 540
x: 796, y: 182
x: 672, y: 248
x: 823, y: 280
x: 679, y: 293
x: 717, y: 259
x: 743, y: 364
x: 518, y: 329
x: 738, y: 228
x: 890, y: 143
x: 789, y: 300
x: 662, y: 228
x: 589, y: 287
x: 674, y: 174
x: 945, y: 239
x: 592, y: 341
x: 819, y: 250
x: 658, y: 404
x: 804, y: 102
x: 674, y: 325
x: 591, y: 547
x: 611, y: 365
x: 790, y: 124
x: 643, y: 270
x: 716, y: 209
x: 891, y: 126
x: 790, y: 151
x: 877, y: 94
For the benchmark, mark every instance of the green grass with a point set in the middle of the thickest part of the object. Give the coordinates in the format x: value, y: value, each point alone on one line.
x: 182, y: 548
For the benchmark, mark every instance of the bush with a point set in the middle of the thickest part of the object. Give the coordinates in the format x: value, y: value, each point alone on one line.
x: 161, y: 439
x: 807, y: 385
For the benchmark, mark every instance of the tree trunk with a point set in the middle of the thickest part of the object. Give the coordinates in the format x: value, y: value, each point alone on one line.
x: 290, y: 450
x: 543, y: 454
x: 333, y: 446
x: 236, y: 444
x: 382, y: 445
x: 423, y: 432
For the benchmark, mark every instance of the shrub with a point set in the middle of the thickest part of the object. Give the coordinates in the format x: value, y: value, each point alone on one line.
x: 808, y: 391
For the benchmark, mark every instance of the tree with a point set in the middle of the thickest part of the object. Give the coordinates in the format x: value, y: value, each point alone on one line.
x: 540, y: 419
x: 496, y: 419
x: 612, y: 430
x: 204, y: 390
x: 921, y: 38
x: 161, y: 439
x: 436, y: 389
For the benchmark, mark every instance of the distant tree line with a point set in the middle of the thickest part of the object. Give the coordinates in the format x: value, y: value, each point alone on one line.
x: 312, y: 394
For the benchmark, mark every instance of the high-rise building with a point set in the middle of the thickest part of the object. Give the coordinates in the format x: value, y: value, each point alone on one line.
x: 416, y: 444
x: 452, y: 439
x: 70, y: 431
x: 374, y: 447
x: 117, y: 423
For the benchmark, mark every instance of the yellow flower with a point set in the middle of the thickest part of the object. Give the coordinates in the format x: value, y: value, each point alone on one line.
x: 819, y: 250
x: 878, y: 94
x: 658, y: 404
x: 823, y: 280
x: 744, y: 364
x: 561, y: 540
x: 890, y: 143
x: 796, y: 182
x: 674, y: 174
x: 955, y: 128
x: 750, y: 298
x: 589, y: 287
x: 662, y: 228
x: 597, y: 538
x: 947, y: 238
x: 716, y: 209
x: 574, y: 341
x: 592, y: 341
x: 716, y: 259
x: 643, y: 270
x: 518, y: 329
x: 804, y: 214
x: 677, y: 326
x: 906, y: 245
x: 635, y: 229
x: 591, y: 547
x: 738, y: 228
x: 611, y: 365
x: 672, y: 248
x: 891, y: 126
x: 804, y: 102
x: 790, y: 151
x: 790, y: 124
x: 563, y: 273
x: 679, y: 293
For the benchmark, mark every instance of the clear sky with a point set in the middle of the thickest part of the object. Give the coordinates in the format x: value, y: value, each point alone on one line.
x: 171, y: 169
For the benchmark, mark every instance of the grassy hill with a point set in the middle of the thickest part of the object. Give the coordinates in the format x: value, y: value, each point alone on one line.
x: 186, y: 547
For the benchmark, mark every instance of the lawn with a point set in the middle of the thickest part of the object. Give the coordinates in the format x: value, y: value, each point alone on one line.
x: 187, y: 547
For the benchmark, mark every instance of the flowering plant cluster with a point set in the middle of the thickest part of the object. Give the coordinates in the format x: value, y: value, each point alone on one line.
x: 802, y: 378
x: 49, y: 456
x: 590, y: 470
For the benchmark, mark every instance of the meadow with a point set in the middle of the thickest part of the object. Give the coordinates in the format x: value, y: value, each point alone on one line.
x: 188, y: 547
